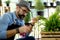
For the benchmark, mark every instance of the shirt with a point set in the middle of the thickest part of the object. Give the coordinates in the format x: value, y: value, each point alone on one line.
x: 6, y: 20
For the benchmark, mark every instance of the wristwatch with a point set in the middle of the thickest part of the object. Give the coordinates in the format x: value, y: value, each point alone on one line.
x: 29, y: 24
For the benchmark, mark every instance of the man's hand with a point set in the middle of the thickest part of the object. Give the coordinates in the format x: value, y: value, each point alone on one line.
x: 33, y: 21
x: 24, y: 29
x: 27, y: 28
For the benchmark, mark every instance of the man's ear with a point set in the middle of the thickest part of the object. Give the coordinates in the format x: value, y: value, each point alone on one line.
x: 17, y: 8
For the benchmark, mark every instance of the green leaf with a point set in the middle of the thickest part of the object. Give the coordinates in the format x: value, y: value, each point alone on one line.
x: 39, y: 5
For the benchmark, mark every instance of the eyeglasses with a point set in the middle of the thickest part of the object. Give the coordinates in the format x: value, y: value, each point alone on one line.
x: 24, y: 10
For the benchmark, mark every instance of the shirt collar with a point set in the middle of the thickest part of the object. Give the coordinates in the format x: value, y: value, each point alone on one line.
x: 14, y: 15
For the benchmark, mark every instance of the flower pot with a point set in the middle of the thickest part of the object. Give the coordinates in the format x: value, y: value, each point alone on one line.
x: 45, y: 3
x: 30, y: 2
x: 58, y: 3
x: 40, y: 13
x: 7, y: 4
x: 50, y: 35
x: 51, y: 4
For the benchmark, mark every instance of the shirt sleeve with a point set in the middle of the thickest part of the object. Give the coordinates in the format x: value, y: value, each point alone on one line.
x: 21, y: 22
x: 4, y: 20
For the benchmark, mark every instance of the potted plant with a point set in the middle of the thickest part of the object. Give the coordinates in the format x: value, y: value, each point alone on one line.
x: 7, y: 2
x: 27, y: 18
x: 52, y: 3
x: 45, y: 3
x: 53, y: 23
x: 39, y: 6
x: 52, y: 26
x: 53, y: 0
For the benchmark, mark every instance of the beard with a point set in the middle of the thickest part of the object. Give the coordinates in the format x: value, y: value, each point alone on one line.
x: 21, y: 16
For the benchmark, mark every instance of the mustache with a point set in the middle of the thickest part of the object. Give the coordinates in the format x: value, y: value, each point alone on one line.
x: 21, y: 16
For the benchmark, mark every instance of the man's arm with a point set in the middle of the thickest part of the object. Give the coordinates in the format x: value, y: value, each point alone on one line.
x: 4, y: 22
x: 11, y: 33
x: 4, y: 33
x: 7, y: 34
x: 29, y: 25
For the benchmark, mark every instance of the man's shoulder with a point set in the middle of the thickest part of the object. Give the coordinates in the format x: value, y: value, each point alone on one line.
x: 9, y: 14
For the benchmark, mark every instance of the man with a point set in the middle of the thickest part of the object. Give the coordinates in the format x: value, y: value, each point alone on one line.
x: 13, y: 23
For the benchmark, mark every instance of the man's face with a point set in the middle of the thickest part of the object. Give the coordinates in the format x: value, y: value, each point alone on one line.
x: 22, y: 12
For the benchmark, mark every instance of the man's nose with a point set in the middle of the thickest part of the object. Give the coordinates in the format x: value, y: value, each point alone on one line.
x: 25, y: 14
